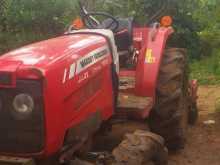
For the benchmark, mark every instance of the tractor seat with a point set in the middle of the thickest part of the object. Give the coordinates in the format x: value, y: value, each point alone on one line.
x: 124, y: 34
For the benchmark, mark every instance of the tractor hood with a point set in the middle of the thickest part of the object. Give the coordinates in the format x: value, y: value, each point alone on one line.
x: 47, y: 54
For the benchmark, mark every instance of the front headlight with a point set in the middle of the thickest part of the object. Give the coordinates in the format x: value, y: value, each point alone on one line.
x: 23, y: 105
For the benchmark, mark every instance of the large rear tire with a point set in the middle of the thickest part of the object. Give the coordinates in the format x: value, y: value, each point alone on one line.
x: 169, y: 118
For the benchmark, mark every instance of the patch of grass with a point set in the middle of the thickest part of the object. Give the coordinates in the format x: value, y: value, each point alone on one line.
x: 217, y: 105
x: 207, y: 70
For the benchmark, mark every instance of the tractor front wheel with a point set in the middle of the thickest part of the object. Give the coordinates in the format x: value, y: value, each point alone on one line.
x: 169, y: 118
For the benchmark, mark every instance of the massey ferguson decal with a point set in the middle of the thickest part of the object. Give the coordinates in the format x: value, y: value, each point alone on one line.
x: 84, y: 63
x: 72, y: 71
x: 64, y: 75
x: 92, y: 58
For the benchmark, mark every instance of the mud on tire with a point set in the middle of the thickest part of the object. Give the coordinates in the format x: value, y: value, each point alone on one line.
x: 169, y: 117
x: 141, y: 148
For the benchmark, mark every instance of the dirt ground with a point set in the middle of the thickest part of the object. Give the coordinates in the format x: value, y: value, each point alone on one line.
x: 203, y: 146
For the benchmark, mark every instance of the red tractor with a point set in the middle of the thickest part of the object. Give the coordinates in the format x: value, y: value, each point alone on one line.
x: 57, y: 94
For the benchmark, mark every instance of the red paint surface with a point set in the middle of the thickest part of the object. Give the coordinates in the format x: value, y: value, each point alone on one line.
x: 66, y: 104
x: 70, y: 102
x: 147, y: 74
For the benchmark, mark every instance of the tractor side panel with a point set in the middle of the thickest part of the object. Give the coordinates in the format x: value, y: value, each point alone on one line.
x: 152, y: 42
x: 75, y: 91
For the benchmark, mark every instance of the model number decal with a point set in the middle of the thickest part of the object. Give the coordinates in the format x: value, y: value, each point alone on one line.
x: 149, y: 57
x: 83, y: 63
x: 83, y: 77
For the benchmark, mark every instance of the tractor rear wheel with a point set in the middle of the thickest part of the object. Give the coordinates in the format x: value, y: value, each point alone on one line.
x: 169, y: 117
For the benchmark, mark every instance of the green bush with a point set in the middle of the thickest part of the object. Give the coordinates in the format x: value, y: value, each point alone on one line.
x: 207, y: 69
x: 26, y: 21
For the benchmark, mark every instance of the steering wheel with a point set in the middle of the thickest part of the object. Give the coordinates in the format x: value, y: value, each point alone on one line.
x: 93, y: 23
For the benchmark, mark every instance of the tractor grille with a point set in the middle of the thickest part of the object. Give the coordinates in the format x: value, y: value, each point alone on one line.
x: 5, y: 78
x: 21, y: 136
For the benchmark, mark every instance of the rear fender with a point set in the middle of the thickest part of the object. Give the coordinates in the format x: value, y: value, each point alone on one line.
x: 153, y: 42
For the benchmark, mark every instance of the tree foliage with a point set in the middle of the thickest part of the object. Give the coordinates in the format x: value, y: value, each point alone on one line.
x: 25, y: 21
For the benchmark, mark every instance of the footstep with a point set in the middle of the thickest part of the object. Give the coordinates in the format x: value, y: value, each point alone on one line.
x: 209, y: 122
